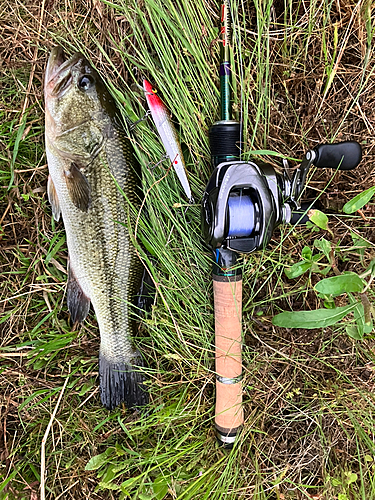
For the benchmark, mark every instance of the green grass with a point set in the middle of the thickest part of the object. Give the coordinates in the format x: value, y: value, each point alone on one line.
x: 308, y: 395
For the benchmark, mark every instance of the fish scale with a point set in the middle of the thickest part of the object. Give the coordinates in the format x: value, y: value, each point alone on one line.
x: 104, y: 266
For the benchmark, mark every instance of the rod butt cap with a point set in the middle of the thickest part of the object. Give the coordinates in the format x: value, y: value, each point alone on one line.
x: 227, y: 437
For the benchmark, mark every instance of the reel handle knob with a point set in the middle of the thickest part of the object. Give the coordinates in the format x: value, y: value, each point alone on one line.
x: 345, y: 155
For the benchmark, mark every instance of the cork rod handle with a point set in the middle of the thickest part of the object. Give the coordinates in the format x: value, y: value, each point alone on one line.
x: 228, y: 313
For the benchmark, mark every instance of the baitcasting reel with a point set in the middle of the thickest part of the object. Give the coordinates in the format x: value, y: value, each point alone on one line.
x: 245, y: 201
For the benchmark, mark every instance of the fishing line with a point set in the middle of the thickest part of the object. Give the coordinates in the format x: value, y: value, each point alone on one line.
x: 241, y: 212
x: 241, y: 215
x: 236, y: 30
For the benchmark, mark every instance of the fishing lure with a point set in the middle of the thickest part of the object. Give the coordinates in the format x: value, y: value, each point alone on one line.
x: 168, y: 135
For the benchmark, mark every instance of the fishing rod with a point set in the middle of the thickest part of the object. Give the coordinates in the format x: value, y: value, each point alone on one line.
x: 242, y: 204
x: 225, y: 145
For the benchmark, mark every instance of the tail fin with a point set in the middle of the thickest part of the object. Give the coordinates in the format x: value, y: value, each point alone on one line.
x: 120, y: 382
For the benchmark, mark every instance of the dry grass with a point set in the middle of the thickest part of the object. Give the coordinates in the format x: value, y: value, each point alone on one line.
x: 309, y: 395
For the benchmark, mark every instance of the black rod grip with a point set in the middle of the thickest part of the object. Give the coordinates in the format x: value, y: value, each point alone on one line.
x: 345, y: 155
x: 225, y: 141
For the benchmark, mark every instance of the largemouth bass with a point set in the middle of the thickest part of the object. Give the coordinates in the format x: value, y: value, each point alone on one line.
x: 91, y: 163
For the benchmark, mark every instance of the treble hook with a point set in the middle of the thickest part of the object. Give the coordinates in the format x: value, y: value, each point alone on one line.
x: 163, y: 158
x: 144, y: 117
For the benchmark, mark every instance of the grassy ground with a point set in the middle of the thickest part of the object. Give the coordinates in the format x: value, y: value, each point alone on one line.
x: 306, y: 72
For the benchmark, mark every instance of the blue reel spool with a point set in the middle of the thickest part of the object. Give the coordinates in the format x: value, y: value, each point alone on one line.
x: 241, y: 215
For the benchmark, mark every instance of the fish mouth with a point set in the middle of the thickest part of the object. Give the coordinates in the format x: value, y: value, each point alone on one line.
x: 58, y: 76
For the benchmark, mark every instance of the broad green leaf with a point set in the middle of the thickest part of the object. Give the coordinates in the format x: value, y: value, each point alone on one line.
x: 342, y: 496
x: 368, y: 327
x: 317, y: 257
x: 351, y: 477
x: 359, y: 201
x: 359, y: 245
x: 318, y: 218
x: 371, y: 267
x: 108, y: 475
x: 121, y: 451
x: 121, y: 465
x: 98, y: 460
x: 312, y: 226
x: 307, y: 253
x: 324, y: 246
x: 358, y: 241
x: 325, y: 270
x: 109, y: 486
x: 335, y: 482
x: 85, y: 388
x: 320, y: 318
x: 353, y: 332
x: 337, y: 285
x: 160, y: 487
x: 298, y: 269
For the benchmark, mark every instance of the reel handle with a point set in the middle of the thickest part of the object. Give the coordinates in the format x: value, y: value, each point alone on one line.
x: 345, y: 155
x: 229, y: 416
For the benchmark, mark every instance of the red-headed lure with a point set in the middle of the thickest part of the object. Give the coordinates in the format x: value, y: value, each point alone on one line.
x: 168, y: 134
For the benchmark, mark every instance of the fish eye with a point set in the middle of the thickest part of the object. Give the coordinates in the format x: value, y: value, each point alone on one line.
x: 86, y: 82
x: 154, y: 91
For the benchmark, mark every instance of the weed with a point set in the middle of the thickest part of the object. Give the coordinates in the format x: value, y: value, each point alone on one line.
x: 303, y: 75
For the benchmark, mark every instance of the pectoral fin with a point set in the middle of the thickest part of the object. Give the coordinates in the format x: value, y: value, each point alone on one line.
x: 78, y: 187
x: 78, y: 303
x: 53, y: 199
